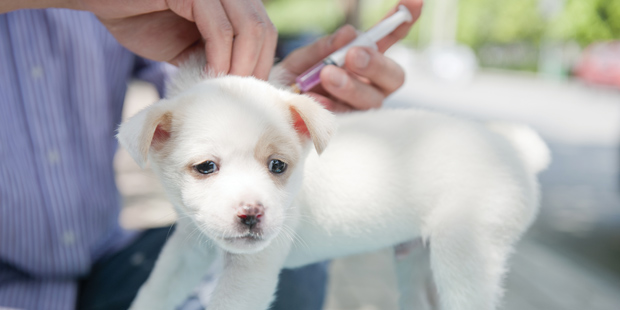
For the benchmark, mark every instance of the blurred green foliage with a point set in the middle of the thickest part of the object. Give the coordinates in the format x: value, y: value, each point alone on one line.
x: 325, y: 16
x: 587, y: 21
x: 298, y: 16
x: 508, y: 21
x: 480, y: 22
x: 499, y: 22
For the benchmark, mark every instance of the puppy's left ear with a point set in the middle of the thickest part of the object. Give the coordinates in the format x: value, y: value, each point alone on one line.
x: 148, y: 130
x: 312, y: 121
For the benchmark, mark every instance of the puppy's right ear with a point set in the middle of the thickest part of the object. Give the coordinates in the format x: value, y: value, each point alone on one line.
x: 311, y: 120
x: 149, y: 129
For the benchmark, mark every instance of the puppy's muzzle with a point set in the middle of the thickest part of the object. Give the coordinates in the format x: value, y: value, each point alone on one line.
x: 250, y: 214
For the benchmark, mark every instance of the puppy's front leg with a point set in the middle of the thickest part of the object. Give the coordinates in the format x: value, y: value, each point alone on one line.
x: 178, y: 270
x: 249, y: 281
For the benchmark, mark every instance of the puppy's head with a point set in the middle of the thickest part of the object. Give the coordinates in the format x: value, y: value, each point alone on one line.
x: 230, y: 153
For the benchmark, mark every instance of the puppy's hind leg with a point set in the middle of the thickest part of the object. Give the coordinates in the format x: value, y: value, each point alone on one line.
x: 468, y: 263
x: 413, y: 272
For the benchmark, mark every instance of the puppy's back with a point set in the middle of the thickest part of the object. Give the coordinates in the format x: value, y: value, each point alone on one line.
x: 391, y: 174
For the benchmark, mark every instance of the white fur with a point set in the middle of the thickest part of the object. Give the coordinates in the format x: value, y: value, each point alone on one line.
x: 387, y: 177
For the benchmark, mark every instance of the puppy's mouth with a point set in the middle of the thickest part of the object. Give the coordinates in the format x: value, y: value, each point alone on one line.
x: 249, y: 236
x: 248, y: 241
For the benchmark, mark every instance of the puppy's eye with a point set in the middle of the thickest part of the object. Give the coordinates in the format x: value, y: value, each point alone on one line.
x: 206, y: 167
x: 277, y: 166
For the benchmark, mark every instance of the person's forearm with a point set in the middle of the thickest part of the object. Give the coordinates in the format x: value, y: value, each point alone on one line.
x: 12, y: 5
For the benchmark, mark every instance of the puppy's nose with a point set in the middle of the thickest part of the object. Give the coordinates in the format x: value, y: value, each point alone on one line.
x: 250, y: 214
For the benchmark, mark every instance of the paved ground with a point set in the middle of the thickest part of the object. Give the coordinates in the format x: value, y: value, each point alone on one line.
x: 568, y: 261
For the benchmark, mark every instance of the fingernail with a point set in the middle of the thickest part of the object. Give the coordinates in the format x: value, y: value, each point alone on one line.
x: 336, y: 77
x: 361, y: 58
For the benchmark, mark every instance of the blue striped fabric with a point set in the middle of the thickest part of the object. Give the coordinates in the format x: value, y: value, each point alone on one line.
x: 63, y: 78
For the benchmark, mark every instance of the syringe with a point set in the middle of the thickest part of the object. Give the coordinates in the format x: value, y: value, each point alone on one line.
x: 311, y: 77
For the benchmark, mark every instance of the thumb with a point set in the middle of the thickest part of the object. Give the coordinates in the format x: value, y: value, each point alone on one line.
x: 303, y: 58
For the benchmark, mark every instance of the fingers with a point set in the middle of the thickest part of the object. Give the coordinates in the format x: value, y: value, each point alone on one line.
x: 373, y: 77
x: 415, y: 8
x: 217, y: 32
x: 349, y: 89
x: 255, y: 38
x: 238, y: 35
x: 380, y: 70
x: 267, y: 56
x: 303, y: 58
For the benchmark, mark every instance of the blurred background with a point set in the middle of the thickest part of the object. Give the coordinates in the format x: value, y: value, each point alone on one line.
x: 553, y: 64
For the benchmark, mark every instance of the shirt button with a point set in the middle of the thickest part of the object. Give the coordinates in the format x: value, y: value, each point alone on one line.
x: 36, y: 72
x: 68, y: 238
x: 53, y: 157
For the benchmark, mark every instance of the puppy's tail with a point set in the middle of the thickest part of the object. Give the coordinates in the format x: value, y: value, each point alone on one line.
x: 532, y: 149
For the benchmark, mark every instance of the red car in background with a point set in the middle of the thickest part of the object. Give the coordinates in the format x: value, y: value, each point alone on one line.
x: 600, y: 64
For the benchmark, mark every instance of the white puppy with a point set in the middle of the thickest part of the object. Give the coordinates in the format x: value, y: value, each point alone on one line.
x: 234, y: 158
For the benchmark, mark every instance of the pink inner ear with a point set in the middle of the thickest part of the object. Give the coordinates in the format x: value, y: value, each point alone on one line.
x: 299, y: 124
x: 159, y: 137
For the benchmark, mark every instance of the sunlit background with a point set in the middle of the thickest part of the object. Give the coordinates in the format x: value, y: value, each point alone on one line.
x: 553, y: 64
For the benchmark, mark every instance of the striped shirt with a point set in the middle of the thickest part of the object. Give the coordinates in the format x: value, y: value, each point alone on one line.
x: 63, y: 79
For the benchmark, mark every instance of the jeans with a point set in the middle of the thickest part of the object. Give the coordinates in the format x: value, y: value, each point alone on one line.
x: 114, y: 281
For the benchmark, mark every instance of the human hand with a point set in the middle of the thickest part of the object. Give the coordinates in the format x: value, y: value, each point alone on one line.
x: 367, y: 76
x: 236, y: 35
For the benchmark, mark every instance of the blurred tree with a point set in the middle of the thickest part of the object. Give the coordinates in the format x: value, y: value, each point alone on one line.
x: 587, y: 21
x: 499, y: 22
x: 480, y: 22
x: 294, y: 17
